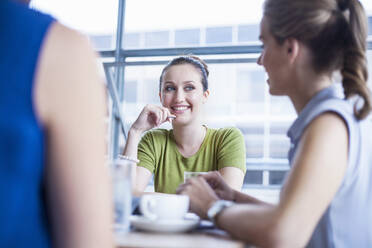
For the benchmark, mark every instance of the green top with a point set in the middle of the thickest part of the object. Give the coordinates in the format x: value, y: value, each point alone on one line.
x: 158, y: 153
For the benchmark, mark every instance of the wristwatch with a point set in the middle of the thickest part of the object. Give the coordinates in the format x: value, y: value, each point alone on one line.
x: 216, y: 208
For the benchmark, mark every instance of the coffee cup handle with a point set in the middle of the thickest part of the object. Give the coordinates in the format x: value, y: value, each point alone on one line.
x: 146, y: 206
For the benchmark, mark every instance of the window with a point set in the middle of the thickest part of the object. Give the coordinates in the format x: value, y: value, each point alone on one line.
x: 218, y: 35
x: 277, y: 177
x: 250, y: 93
x: 157, y: 39
x: 187, y: 37
x: 101, y: 42
x: 132, y: 40
x: 279, y: 146
x: 239, y: 95
x: 280, y: 105
x: 248, y: 33
x: 130, y: 91
x: 251, y: 87
x: 254, y: 177
x: 254, y: 144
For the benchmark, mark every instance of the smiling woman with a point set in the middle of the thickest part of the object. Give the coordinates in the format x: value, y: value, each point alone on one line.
x: 190, y: 145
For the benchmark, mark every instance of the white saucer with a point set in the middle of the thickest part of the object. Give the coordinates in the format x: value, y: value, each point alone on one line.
x: 169, y: 226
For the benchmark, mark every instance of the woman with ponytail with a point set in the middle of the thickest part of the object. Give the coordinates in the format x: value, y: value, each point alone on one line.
x: 326, y: 200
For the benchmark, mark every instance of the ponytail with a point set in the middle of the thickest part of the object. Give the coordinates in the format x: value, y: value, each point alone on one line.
x: 336, y: 33
x: 354, y: 69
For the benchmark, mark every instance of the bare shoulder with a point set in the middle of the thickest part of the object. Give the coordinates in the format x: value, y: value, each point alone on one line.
x: 64, y: 52
x: 327, y: 125
x: 324, y: 140
x: 67, y: 70
x: 65, y: 42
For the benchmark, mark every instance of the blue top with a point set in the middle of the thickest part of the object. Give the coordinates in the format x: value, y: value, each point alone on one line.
x: 347, y: 222
x: 22, y: 210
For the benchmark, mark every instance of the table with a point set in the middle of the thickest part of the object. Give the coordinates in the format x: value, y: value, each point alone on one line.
x: 213, y: 238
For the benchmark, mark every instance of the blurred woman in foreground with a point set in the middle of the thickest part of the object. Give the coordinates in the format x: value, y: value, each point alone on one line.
x: 54, y: 187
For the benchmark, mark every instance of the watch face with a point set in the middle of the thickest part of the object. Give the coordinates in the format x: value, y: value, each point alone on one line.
x: 217, y: 208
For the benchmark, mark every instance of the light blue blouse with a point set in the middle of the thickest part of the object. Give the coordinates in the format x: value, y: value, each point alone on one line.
x: 347, y: 222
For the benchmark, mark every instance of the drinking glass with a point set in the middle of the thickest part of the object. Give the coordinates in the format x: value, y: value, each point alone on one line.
x: 190, y: 174
x: 121, y: 175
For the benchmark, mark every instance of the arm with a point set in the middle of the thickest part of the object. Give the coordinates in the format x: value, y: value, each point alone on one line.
x: 140, y: 175
x: 233, y: 176
x: 317, y: 173
x: 69, y: 100
x: 318, y: 170
x: 150, y: 117
x: 240, y: 197
x: 226, y: 192
x: 222, y: 190
x: 231, y: 157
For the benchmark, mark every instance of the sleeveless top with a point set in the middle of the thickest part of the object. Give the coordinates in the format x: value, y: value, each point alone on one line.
x: 347, y: 222
x: 22, y: 211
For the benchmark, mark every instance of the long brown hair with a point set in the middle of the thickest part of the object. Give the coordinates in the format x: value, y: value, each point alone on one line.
x: 336, y: 33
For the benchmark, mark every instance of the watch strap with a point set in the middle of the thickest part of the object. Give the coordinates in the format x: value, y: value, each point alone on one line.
x: 216, y: 208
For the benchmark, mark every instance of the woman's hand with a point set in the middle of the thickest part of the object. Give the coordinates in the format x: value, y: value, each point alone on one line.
x: 201, y: 195
x: 150, y: 117
x: 220, y: 187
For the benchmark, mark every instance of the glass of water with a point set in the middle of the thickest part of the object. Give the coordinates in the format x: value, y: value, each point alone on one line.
x: 121, y: 176
x: 190, y: 174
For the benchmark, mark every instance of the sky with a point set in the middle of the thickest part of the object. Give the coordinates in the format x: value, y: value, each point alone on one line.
x: 100, y: 16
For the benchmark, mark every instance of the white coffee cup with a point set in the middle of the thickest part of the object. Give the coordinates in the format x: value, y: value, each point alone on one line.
x: 165, y: 206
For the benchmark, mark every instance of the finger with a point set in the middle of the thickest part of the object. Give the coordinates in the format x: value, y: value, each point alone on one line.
x: 151, y: 109
x: 203, y: 182
x: 192, y: 180
x: 151, y: 118
x: 211, y: 174
x: 170, y: 115
x: 157, y: 120
x: 164, y: 115
x: 167, y: 115
x: 171, y: 118
x: 181, y: 191
x: 151, y: 112
x: 160, y: 117
x: 199, y: 183
x: 207, y: 188
x: 188, y: 180
x: 181, y: 188
x: 213, y: 177
x: 211, y: 180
